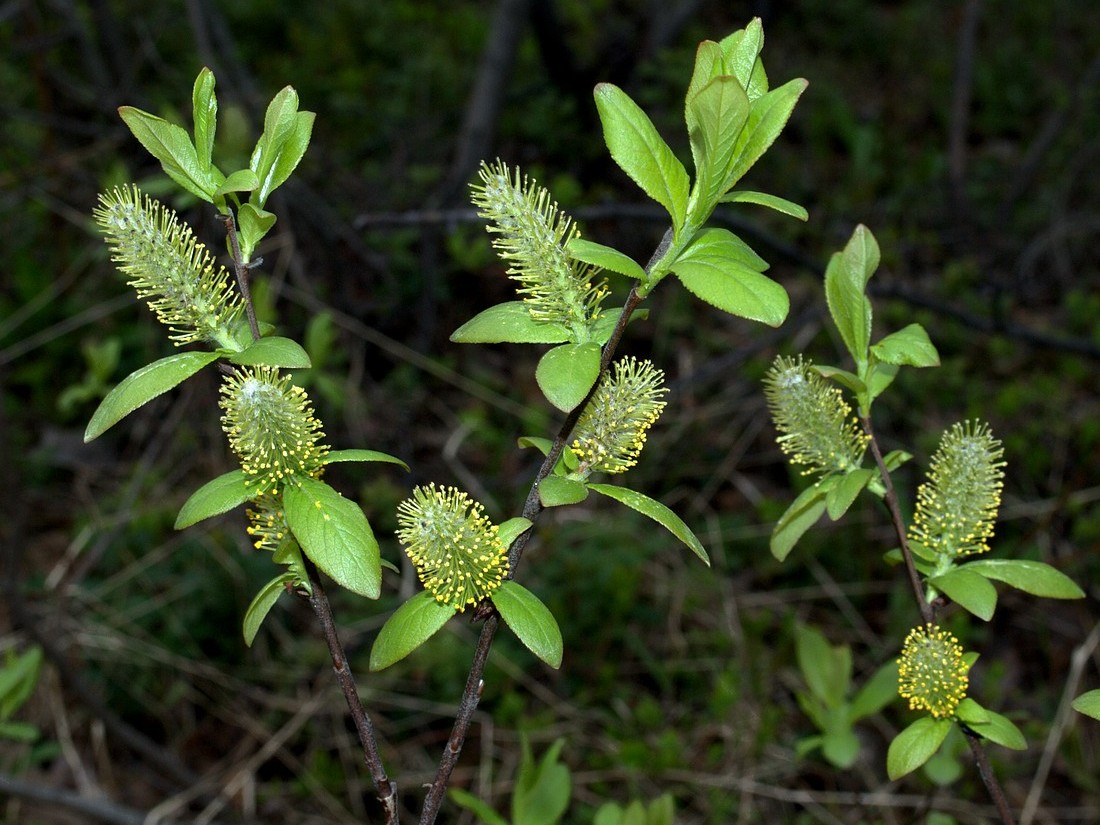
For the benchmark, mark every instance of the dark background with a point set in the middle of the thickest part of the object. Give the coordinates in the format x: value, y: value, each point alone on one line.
x: 965, y: 134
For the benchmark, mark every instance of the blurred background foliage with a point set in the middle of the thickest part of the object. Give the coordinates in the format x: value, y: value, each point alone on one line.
x: 965, y: 134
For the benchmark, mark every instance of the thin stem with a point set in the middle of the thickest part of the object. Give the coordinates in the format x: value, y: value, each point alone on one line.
x: 891, y: 498
x: 532, y: 509
x: 386, y: 787
x: 241, y: 270
x: 977, y: 748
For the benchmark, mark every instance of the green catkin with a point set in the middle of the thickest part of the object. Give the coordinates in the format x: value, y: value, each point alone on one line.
x: 271, y: 428
x: 457, y: 553
x: 530, y: 235
x: 957, y: 506
x: 611, y: 431
x: 169, y: 268
x: 816, y: 425
x: 932, y: 673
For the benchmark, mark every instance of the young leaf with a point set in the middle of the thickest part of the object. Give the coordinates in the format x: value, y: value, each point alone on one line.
x: 213, y: 498
x: 715, y: 117
x: 543, y: 445
x: 336, y: 456
x: 1088, y: 704
x: 826, y: 669
x: 909, y: 346
x: 771, y: 201
x: 465, y: 799
x: 204, y: 114
x: 273, y: 352
x: 280, y: 121
x: 510, y: 530
x: 1001, y: 730
x: 767, y: 117
x: 286, y: 158
x: 741, y: 51
x: 845, y: 282
x: 542, y: 790
x: 840, y: 747
x: 334, y: 534
x: 709, y: 63
x: 142, y: 386
x: 566, y: 373
x: 717, y: 267
x: 915, y: 745
x: 530, y: 620
x: 172, y: 146
x: 412, y: 624
x: 658, y: 512
x: 252, y: 223
x: 844, y: 492
x: 971, y: 713
x: 969, y: 590
x: 802, y: 514
x: 605, y: 257
x: 262, y: 604
x: 511, y: 322
x: 1032, y: 577
x: 554, y: 491
x: 243, y: 180
x: 876, y: 693
x: 639, y: 150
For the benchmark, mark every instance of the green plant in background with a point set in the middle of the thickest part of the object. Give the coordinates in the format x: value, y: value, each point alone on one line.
x: 955, y: 512
x: 18, y: 679
x: 463, y: 559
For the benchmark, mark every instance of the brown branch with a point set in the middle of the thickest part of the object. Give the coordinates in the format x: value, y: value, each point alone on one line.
x: 241, y: 270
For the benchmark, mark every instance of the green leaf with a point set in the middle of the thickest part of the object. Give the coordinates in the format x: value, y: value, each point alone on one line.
x: 252, y: 224
x: 213, y: 498
x: 915, y: 745
x: 172, y: 146
x: 846, y: 379
x: 262, y: 604
x: 715, y: 117
x: 970, y: 712
x: 844, y: 492
x: 543, y: 445
x: 567, y: 373
x: 511, y: 322
x: 1088, y: 704
x: 909, y: 346
x: 639, y: 150
x: 337, y: 456
x: 412, y: 624
x: 609, y: 318
x: 530, y: 620
x: 767, y: 117
x: 969, y: 590
x: 826, y: 669
x: 895, y: 458
x: 511, y: 530
x: 465, y: 799
x: 771, y: 201
x: 288, y: 157
x: 741, y: 51
x: 204, y: 114
x: 18, y: 679
x: 1000, y: 729
x: 877, y: 692
x: 840, y: 747
x: 880, y: 377
x: 605, y: 257
x: 243, y: 180
x: 18, y: 731
x: 1034, y: 577
x: 720, y: 269
x: 555, y: 491
x: 142, y: 386
x: 542, y: 791
x: 845, y: 283
x: 802, y: 514
x: 658, y: 512
x: 273, y: 352
x: 282, y: 144
x: 334, y: 534
x: 709, y: 64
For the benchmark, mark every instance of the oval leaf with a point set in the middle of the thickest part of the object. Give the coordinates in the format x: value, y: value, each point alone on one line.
x: 1088, y: 704
x: 204, y: 114
x: 412, y: 624
x: 273, y: 352
x: 337, y: 456
x: 567, y: 373
x: 605, y: 257
x: 530, y: 620
x: 636, y: 146
x: 508, y: 322
x: 243, y: 180
x: 969, y: 590
x: 767, y: 117
x: 1000, y: 729
x: 915, y: 745
x: 142, y: 386
x: 172, y: 146
x: 655, y: 510
x: 845, y: 281
x: 214, y: 498
x: 555, y: 491
x: 844, y: 492
x: 510, y: 530
x: 1034, y: 577
x: 334, y: 534
x: 909, y: 346
x: 800, y: 516
x: 262, y: 604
